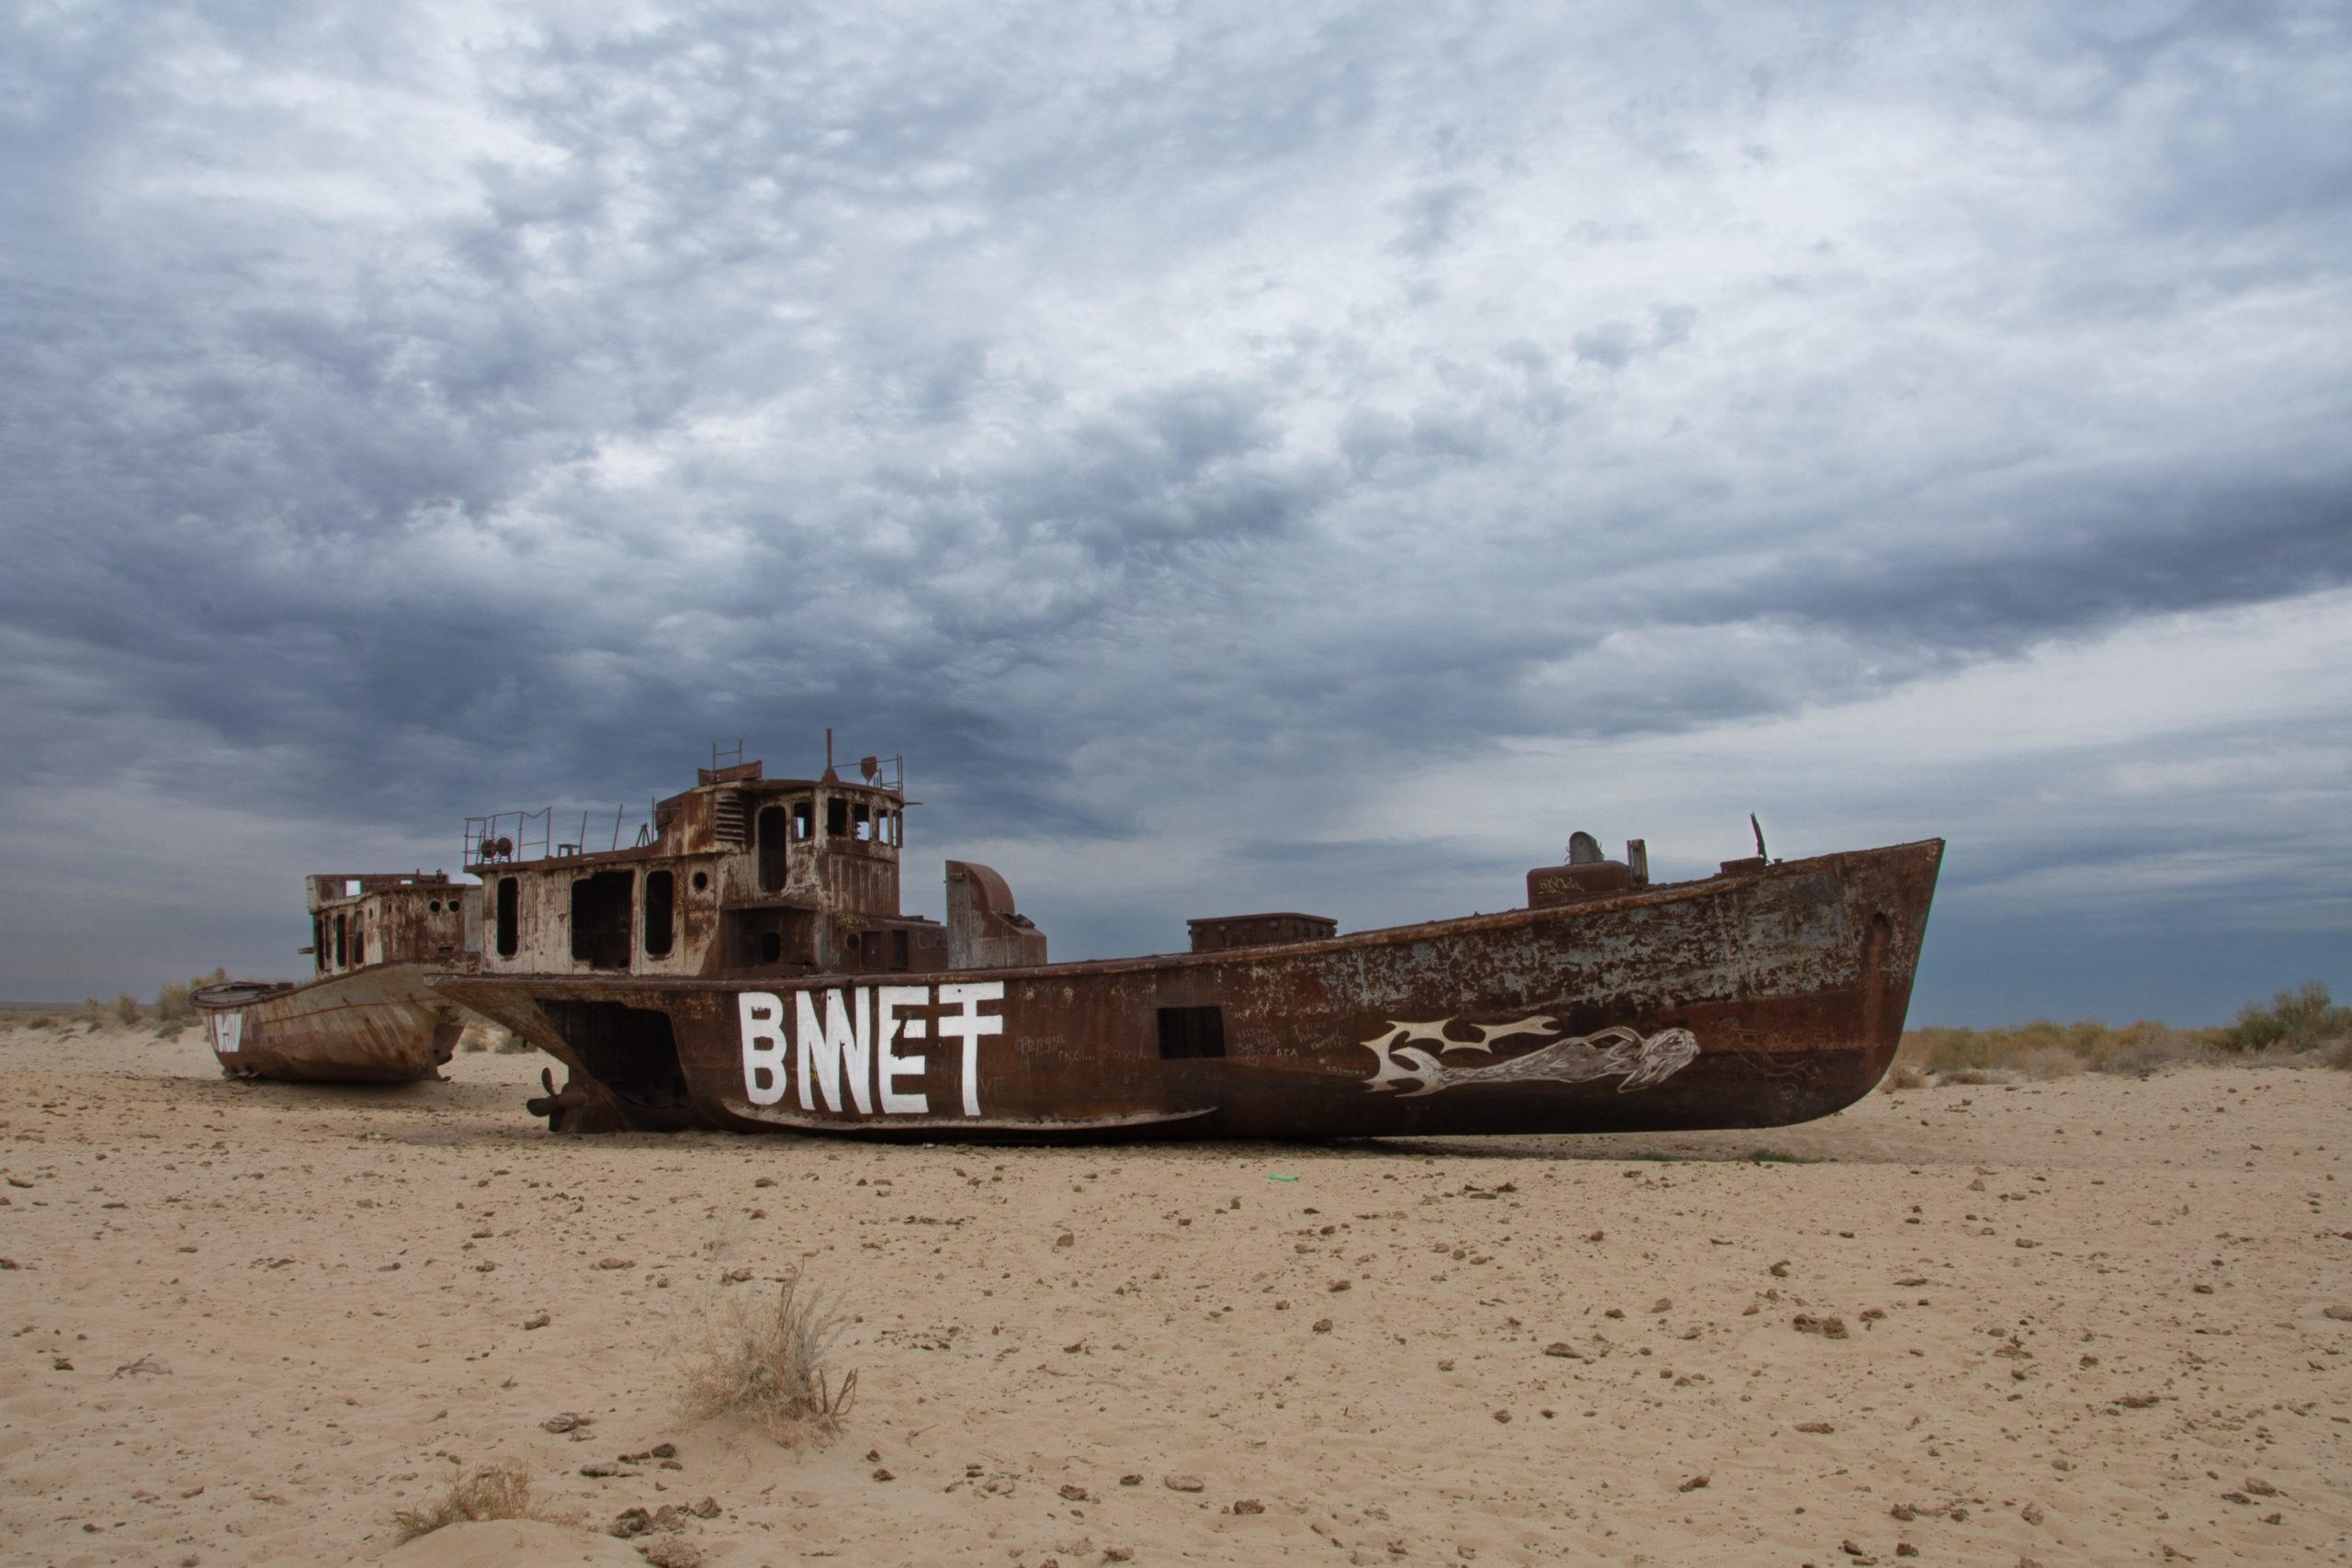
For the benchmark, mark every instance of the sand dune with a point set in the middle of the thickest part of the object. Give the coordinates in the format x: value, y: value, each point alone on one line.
x: 2075, y: 1322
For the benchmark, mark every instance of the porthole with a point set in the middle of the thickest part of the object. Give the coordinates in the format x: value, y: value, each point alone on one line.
x: 702, y: 881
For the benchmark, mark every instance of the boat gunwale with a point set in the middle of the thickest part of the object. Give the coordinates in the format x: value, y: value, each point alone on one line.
x: 1656, y: 894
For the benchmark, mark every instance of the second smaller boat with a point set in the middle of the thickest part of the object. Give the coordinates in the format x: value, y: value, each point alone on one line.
x: 366, y: 1015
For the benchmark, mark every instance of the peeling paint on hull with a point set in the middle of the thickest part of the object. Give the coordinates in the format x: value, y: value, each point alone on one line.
x: 1790, y: 982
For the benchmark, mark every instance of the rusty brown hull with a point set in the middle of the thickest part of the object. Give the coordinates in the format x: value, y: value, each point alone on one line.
x: 1753, y: 1000
x: 382, y: 1024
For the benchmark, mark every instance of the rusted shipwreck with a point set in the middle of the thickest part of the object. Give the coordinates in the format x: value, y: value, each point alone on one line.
x: 366, y: 1015
x: 745, y: 966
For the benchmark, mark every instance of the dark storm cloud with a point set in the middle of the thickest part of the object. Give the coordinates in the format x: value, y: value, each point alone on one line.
x: 412, y: 414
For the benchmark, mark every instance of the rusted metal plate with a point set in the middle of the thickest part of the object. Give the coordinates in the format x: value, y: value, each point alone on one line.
x: 1769, y: 994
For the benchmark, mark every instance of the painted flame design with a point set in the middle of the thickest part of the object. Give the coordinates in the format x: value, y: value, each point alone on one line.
x: 1642, y: 1062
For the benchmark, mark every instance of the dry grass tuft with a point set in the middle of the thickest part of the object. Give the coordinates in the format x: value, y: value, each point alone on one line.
x: 126, y: 1008
x: 766, y: 1359
x: 494, y: 1492
x: 1904, y: 1074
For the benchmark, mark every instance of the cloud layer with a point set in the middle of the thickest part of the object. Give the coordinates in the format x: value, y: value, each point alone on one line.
x: 1177, y: 431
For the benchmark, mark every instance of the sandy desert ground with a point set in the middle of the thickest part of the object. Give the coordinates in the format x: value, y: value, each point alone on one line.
x: 2082, y: 1321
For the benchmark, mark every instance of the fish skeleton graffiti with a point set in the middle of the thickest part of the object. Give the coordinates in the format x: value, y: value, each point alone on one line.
x: 1615, y: 1052
x: 848, y: 1045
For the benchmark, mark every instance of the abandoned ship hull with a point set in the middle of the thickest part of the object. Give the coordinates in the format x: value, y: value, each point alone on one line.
x: 1757, y: 999
x: 381, y: 1024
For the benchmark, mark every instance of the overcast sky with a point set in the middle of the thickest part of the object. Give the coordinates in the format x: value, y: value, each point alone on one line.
x: 1245, y: 457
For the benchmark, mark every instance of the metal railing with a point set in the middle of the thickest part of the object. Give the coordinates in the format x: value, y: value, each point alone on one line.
x: 506, y: 837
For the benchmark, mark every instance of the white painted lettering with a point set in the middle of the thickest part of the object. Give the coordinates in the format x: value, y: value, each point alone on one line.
x: 844, y: 1035
x: 889, y: 1065
x: 227, y: 1032
x: 849, y: 1039
x: 761, y: 1013
x: 963, y: 1021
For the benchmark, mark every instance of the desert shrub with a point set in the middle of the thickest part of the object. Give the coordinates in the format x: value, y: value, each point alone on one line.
x: 2053, y: 1062
x: 494, y: 1492
x: 1976, y: 1076
x: 172, y: 1005
x: 41, y: 1021
x: 92, y: 1013
x: 2306, y: 1019
x: 1902, y: 1074
x: 767, y: 1361
x: 2156, y: 1050
x: 126, y: 1008
x: 511, y: 1043
x: 2295, y: 1021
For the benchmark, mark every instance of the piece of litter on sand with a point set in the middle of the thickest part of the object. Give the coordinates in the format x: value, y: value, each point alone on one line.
x: 1278, y: 1176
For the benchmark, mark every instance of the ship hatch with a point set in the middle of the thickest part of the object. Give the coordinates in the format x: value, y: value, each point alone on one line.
x: 600, y: 919
x: 661, y: 918
x: 509, y: 918
x: 1190, y: 1032
x: 629, y: 1050
x: 771, y: 828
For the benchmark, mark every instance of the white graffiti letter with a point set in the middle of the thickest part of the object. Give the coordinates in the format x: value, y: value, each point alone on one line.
x: 761, y: 1013
x: 889, y: 1029
x: 845, y: 1034
x: 963, y: 1022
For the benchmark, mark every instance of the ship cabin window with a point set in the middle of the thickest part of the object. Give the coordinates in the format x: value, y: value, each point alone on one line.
x: 836, y: 817
x: 770, y: 947
x: 319, y: 944
x: 899, y: 950
x: 768, y: 830
x: 661, y: 912
x: 358, y: 941
x: 861, y: 822
x: 342, y: 938
x: 600, y: 919
x: 510, y: 918
x: 702, y: 881
x: 804, y: 819
x: 351, y: 888
x: 1187, y: 1033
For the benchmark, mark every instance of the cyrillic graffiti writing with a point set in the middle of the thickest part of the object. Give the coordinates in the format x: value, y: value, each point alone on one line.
x: 848, y: 1048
